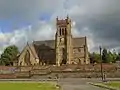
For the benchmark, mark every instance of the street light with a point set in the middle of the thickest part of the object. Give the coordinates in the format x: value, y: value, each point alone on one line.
x: 101, y: 63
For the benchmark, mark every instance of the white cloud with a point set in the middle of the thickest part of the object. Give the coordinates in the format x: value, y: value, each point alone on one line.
x: 2, y: 37
x: 76, y: 10
x: 41, y: 31
x: 30, y: 11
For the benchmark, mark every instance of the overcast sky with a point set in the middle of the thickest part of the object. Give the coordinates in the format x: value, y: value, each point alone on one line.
x: 28, y: 20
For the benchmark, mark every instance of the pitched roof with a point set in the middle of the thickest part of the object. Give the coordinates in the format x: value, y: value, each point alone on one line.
x: 50, y: 43
x: 79, y: 41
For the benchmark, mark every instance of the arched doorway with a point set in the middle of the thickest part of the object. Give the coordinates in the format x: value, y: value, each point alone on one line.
x: 63, y: 56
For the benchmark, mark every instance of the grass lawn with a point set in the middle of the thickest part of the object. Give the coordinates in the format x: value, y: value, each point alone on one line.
x: 26, y: 86
x: 114, y: 84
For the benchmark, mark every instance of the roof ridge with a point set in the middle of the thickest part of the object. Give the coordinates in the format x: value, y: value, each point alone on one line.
x: 80, y: 37
x: 43, y: 40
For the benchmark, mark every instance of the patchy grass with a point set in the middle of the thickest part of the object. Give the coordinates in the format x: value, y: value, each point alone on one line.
x: 108, y: 85
x: 26, y: 86
x: 114, y: 84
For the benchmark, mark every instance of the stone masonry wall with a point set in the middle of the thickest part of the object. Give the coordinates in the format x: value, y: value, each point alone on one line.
x: 70, y: 71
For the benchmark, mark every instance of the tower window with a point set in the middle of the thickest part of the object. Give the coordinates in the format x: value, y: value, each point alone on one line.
x: 65, y: 31
x: 60, y: 31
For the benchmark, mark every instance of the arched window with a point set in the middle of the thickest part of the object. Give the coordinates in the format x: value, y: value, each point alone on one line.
x: 65, y: 31
x: 62, y: 31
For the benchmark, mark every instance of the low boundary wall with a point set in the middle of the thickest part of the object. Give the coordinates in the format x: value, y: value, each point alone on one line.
x: 65, y: 71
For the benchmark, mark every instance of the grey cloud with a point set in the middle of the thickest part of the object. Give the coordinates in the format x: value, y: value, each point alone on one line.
x: 26, y: 11
x: 103, y: 21
x: 102, y: 17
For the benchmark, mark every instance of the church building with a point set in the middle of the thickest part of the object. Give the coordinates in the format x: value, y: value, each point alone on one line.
x: 65, y: 49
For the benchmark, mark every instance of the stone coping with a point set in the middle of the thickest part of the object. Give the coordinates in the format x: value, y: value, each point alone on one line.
x: 28, y: 80
x: 104, y: 86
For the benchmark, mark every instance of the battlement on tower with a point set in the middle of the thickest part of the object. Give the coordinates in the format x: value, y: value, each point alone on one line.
x: 63, y: 22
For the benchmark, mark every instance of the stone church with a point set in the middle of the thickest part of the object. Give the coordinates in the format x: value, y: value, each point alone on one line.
x: 65, y: 49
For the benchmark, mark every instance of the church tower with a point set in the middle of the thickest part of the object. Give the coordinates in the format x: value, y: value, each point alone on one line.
x: 63, y: 41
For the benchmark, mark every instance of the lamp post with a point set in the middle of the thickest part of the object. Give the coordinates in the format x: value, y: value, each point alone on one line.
x: 101, y: 63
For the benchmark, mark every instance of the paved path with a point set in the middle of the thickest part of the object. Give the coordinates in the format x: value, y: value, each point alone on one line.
x: 69, y: 83
x: 78, y: 84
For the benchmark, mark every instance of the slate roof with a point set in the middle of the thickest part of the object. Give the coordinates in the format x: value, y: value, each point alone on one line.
x: 77, y: 42
x: 50, y: 43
